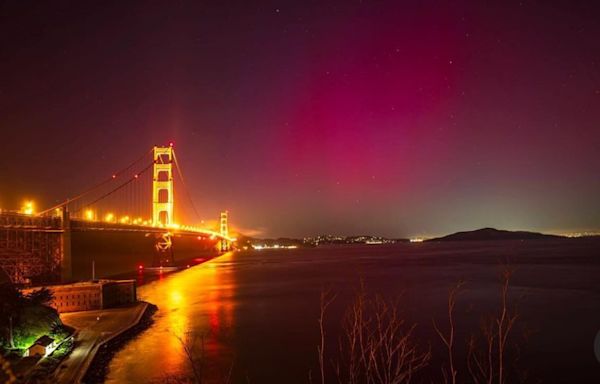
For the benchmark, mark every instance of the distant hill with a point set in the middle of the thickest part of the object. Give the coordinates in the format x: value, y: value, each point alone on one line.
x: 494, y: 234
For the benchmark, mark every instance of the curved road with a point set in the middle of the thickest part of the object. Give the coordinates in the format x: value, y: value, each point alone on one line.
x: 93, y: 327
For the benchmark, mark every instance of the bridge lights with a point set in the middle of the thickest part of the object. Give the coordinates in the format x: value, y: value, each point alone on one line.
x: 109, y: 217
x: 89, y: 215
x: 28, y: 207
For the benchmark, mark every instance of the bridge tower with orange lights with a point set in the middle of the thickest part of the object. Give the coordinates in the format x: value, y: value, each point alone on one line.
x: 162, y: 186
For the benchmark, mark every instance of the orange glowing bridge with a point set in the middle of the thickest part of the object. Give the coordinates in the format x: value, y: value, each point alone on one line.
x: 139, y: 198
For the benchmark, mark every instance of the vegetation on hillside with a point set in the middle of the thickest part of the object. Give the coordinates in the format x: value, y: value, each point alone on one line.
x: 25, y: 318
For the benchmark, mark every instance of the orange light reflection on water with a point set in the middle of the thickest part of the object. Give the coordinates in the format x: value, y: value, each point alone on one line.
x: 194, y: 304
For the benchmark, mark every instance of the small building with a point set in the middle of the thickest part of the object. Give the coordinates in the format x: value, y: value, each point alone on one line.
x: 42, y: 346
x: 91, y: 295
x: 118, y: 292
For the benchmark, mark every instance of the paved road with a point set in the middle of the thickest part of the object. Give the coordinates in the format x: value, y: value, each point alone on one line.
x: 92, y: 328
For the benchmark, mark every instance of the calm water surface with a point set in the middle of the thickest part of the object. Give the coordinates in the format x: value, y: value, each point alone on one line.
x: 256, y: 312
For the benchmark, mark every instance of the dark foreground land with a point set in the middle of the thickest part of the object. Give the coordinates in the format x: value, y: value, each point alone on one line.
x: 256, y: 312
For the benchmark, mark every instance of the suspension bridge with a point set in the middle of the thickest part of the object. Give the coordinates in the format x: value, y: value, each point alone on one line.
x: 135, y: 205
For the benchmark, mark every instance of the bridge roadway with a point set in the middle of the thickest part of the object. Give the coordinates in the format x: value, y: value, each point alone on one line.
x: 25, y: 223
x: 82, y: 226
x: 33, y: 245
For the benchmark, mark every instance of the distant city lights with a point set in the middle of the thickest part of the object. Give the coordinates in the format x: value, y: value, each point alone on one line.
x: 275, y: 246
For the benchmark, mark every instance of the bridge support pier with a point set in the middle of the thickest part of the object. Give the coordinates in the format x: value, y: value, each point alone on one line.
x: 66, y: 271
x: 224, y: 245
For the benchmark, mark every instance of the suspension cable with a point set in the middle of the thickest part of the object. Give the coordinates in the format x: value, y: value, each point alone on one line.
x: 95, y: 187
x: 187, y: 192
x: 135, y: 177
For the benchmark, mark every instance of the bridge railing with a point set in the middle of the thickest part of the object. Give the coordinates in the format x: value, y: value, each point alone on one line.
x: 21, y: 221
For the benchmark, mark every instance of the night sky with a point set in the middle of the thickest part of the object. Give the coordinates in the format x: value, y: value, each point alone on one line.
x: 391, y: 118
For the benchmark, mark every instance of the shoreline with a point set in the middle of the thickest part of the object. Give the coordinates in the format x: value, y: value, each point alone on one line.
x: 93, y: 330
x: 96, y: 367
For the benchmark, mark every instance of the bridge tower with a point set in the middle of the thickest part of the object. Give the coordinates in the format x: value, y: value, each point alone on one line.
x: 162, y: 186
x: 224, y: 230
x: 224, y: 227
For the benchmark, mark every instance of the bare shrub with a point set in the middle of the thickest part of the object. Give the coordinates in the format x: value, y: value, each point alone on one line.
x: 449, y: 374
x: 376, y: 346
x: 326, y: 299
x: 195, y: 356
x: 487, y: 354
x: 194, y: 351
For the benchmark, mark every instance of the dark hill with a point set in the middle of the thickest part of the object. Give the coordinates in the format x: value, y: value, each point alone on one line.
x: 494, y: 234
